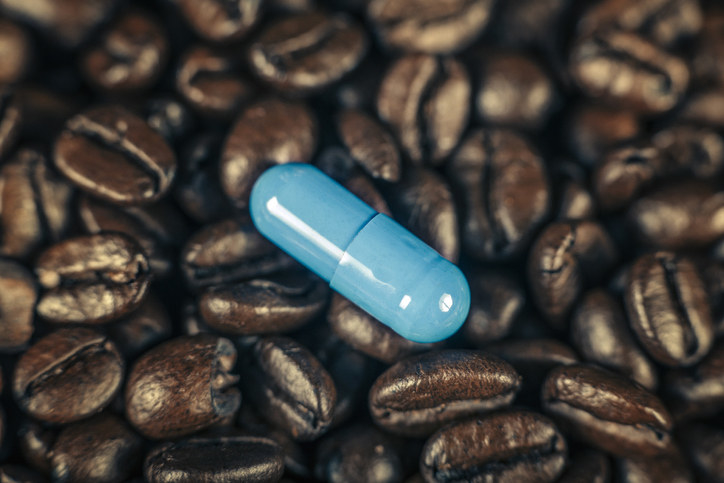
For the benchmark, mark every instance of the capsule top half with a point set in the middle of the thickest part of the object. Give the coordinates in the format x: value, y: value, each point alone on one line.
x: 364, y: 255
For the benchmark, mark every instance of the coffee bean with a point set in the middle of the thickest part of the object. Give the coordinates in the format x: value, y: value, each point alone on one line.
x: 707, y: 66
x: 505, y: 190
x: 528, y: 22
x: 704, y: 107
x: 591, y: 130
x: 425, y: 100
x: 705, y: 446
x: 11, y: 118
x: 192, y: 387
x: 697, y: 391
x: 608, y: 411
x: 114, y: 155
x: 19, y: 474
x: 18, y: 293
x: 508, y: 446
x: 668, y: 309
x: 36, y: 443
x: 170, y: 118
x: 91, y: 279
x: 575, y: 201
x: 370, y: 145
x: 221, y: 20
x: 422, y: 393
x: 67, y: 375
x: 145, y: 327
x: 17, y: 52
x: 497, y: 301
x: 673, y: 468
x: 691, y: 150
x: 39, y: 115
x: 588, y: 466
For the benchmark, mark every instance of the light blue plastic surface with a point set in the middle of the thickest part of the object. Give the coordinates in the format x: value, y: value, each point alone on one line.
x: 366, y: 256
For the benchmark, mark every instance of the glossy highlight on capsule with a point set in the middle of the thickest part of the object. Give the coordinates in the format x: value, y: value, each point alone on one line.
x: 364, y: 255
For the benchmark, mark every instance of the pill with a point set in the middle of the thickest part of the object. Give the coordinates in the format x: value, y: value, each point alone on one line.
x: 364, y: 255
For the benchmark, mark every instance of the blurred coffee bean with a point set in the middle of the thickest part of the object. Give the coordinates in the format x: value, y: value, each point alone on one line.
x: 600, y: 332
x: 668, y: 309
x: 608, y: 411
x: 503, y: 183
x: 91, y: 279
x: 705, y: 446
x: 496, y: 302
x: 11, y: 119
x: 528, y: 22
x: 587, y: 466
x: 34, y: 204
x: 370, y: 145
x: 427, y: 25
x: 567, y: 257
x: 170, y: 118
x: 16, y: 51
x: 289, y: 387
x: 182, y: 386
x: 691, y: 150
x: 67, y: 375
x: 115, y: 155
x: 422, y: 393
x: 426, y: 102
x: 509, y: 446
x: 705, y: 107
x: 37, y: 114
x: 623, y: 173
x: 101, y: 449
x: 671, y: 469
x: 697, y: 391
x: 266, y: 133
x: 36, y: 442
x: 221, y: 20
x: 19, y: 474
x: 575, y: 199
x: 18, y: 293
x: 148, y: 325
x: 707, y: 65
x: 624, y: 69
x: 592, y: 130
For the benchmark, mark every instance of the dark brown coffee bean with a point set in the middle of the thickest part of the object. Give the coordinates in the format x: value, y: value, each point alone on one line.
x: 268, y: 132
x: 707, y: 66
x: 92, y: 279
x: 221, y: 20
x: 588, y: 466
x: 429, y: 26
x: 566, y: 258
x: 699, y: 390
x: 18, y: 293
x: 115, y: 155
x: 705, y: 447
x: 370, y: 145
x: 17, y: 52
x: 11, y: 119
x: 608, y: 411
x: 601, y: 334
x: 170, y: 118
x: 67, y: 375
x: 43, y: 113
x: 592, y: 130
x: 145, y: 327
x: 671, y: 469
x: 290, y: 388
x: 19, y: 474
x: 692, y: 150
x: 101, y: 449
x: 575, y: 201
x: 705, y: 107
x: 34, y: 204
x: 626, y: 70
x: 509, y: 446
x: 496, y: 303
x: 528, y: 22
x: 182, y: 386
x: 307, y: 52
x: 426, y: 102
x: 36, y: 442
x: 506, y: 193
x: 668, y: 309
x: 422, y: 393
x: 215, y: 459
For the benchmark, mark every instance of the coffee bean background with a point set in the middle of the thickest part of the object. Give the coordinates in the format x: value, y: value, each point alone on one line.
x: 568, y: 155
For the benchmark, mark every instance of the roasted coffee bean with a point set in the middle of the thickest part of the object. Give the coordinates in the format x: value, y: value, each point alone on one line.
x: 509, y: 446
x: 34, y: 204
x: 67, y: 375
x: 697, y: 391
x: 691, y: 150
x: 426, y: 102
x: 101, y: 449
x: 707, y: 66
x: 592, y: 130
x: 40, y: 114
x: 221, y: 20
x: 192, y: 387
x: 115, y: 155
x: 671, y: 469
x: 422, y: 393
x: 36, y: 443
x: 268, y: 132
x: 705, y: 108
x: 608, y: 411
x: 668, y: 309
x: 91, y: 279
x: 497, y: 301
x: 169, y: 117
x: 575, y: 201
x: 16, y: 50
x: 11, y: 119
x: 566, y: 257
x: 505, y: 190
x: 217, y: 459
x: 145, y: 327
x: 705, y: 447
x: 19, y: 474
x: 427, y: 25
x: 601, y: 335
x: 528, y: 22
x: 18, y: 293
x: 626, y: 70
x: 588, y: 466
x: 289, y: 387
x: 370, y: 145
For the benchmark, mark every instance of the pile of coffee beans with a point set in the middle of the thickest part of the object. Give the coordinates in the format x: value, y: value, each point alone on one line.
x: 568, y: 155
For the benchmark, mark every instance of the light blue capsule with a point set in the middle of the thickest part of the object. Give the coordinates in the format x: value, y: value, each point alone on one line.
x: 364, y: 255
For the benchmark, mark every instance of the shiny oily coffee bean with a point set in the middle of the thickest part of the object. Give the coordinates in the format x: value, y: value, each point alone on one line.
x: 264, y: 305
x: 18, y: 293
x: 587, y: 466
x: 426, y: 102
x: 505, y: 190
x: 145, y: 327
x: 130, y: 56
x: 692, y: 150
x: 671, y: 469
x: 11, y: 119
x: 370, y: 145
x: 422, y: 393
x: 508, y: 446
x: 17, y: 52
x: 497, y: 301
x: 92, y: 279
x: 34, y: 204
x: 566, y: 258
x: 601, y: 334
x: 101, y: 449
x: 607, y: 410
x: 215, y: 459
x: 289, y: 387
x: 427, y: 25
x: 67, y: 375
x: 221, y: 20
x: 182, y: 386
x: 116, y: 156
x: 306, y: 52
x: 697, y: 391
x: 704, y: 444
x: 626, y: 70
x: 668, y: 309
x: 266, y: 133
x: 592, y: 130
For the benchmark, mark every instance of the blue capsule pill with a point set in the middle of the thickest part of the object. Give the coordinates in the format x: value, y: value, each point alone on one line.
x: 364, y: 255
